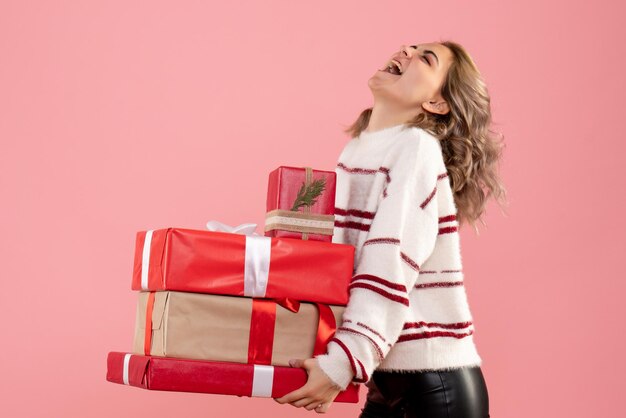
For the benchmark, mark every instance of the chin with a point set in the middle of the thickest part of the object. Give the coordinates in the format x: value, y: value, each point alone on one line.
x: 378, y: 84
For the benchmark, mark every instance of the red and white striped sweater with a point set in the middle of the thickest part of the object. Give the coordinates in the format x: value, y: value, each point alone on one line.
x: 408, y: 308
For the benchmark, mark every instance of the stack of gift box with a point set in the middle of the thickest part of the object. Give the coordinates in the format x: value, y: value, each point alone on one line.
x: 223, y: 310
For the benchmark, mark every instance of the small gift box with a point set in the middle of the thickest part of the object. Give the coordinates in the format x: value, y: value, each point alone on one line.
x: 228, y: 263
x: 301, y: 204
x: 229, y: 328
x: 179, y: 375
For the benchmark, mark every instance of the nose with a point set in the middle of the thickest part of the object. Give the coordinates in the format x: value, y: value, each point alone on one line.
x: 407, y: 50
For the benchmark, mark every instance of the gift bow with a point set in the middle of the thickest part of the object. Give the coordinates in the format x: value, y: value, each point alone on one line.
x: 245, y: 229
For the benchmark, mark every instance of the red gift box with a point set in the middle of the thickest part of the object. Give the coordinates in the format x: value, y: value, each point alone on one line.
x: 288, y: 214
x: 226, y: 263
x: 181, y: 375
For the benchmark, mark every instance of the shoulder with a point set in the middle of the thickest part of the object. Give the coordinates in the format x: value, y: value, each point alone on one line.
x: 348, y: 148
x: 419, y: 140
x: 417, y: 160
x: 417, y: 147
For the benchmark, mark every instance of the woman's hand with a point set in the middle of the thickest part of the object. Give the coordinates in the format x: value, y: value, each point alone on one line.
x: 318, y: 392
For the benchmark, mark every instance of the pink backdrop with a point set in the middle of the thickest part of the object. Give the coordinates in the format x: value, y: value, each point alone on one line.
x: 118, y: 116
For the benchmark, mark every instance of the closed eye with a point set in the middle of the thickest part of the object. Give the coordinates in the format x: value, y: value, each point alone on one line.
x: 423, y: 56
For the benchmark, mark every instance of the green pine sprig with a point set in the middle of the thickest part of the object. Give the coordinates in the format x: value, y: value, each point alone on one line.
x: 307, y: 194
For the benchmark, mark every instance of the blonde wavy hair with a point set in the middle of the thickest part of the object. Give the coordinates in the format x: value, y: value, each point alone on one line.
x: 471, y: 150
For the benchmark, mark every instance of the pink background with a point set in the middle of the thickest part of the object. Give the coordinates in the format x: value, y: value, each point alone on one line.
x: 119, y: 116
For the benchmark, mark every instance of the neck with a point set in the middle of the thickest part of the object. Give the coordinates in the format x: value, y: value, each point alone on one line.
x: 385, y: 115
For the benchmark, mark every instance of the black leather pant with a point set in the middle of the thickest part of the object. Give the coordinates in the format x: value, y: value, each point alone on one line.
x: 430, y: 394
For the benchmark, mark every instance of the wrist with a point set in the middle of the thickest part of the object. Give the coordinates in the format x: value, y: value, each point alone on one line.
x: 336, y: 366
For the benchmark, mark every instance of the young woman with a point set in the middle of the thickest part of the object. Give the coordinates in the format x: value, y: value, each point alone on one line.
x: 421, y: 162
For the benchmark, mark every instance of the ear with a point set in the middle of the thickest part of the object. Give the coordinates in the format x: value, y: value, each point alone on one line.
x: 440, y: 107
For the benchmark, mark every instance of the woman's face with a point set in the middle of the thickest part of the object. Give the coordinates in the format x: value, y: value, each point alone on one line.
x: 423, y: 70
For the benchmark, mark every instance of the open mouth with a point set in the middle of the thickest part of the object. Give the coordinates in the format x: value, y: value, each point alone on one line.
x: 393, y: 68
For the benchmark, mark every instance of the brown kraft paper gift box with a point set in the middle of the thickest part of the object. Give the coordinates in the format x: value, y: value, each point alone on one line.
x: 217, y: 327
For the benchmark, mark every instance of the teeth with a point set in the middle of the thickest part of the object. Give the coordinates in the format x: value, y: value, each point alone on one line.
x: 397, y: 66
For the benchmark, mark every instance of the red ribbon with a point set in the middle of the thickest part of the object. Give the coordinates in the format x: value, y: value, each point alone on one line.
x: 262, y: 326
x: 326, y: 328
x: 147, y: 342
x: 292, y: 305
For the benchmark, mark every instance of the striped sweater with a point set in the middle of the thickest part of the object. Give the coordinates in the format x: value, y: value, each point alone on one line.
x: 408, y: 308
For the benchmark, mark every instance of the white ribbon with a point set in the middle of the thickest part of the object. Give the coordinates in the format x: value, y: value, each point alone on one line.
x: 257, y: 260
x: 257, y: 266
x: 126, y: 368
x: 145, y: 259
x: 262, y: 381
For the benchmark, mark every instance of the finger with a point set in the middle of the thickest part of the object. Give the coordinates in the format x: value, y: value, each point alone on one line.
x: 308, y: 364
x: 304, y: 402
x: 296, y: 363
x: 312, y: 405
x: 293, y: 396
x: 323, y: 408
x: 331, y: 399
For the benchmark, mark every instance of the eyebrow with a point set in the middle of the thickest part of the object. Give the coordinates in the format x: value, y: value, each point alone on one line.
x: 428, y: 51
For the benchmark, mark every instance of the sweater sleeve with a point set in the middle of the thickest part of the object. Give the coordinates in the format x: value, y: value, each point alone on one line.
x: 401, y: 236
